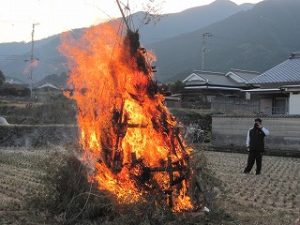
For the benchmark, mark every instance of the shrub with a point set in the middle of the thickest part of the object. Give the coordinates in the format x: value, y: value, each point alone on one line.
x: 67, y: 194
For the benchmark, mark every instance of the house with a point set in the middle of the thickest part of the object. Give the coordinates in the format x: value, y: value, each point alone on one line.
x: 47, y: 87
x: 46, y: 92
x: 204, y: 87
x: 278, y: 89
x: 242, y: 77
x: 277, y: 92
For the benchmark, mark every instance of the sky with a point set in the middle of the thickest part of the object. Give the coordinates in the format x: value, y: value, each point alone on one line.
x: 55, y: 16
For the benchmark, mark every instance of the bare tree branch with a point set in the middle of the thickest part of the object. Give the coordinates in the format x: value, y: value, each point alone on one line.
x: 153, y: 11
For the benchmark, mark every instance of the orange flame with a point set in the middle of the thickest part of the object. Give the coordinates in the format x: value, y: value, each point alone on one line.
x: 127, y: 133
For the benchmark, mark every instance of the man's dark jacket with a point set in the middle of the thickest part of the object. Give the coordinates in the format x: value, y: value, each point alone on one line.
x: 257, y: 140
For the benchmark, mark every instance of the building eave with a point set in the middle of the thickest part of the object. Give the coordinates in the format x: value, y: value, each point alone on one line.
x: 266, y: 90
x: 212, y: 88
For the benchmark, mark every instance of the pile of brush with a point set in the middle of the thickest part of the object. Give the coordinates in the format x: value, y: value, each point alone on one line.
x: 69, y: 198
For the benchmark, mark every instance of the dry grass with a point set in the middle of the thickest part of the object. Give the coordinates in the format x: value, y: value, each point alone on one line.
x: 272, y: 198
x: 20, y: 176
x: 269, y: 199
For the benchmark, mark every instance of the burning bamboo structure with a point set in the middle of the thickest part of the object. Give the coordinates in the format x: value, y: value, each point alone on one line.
x: 130, y: 140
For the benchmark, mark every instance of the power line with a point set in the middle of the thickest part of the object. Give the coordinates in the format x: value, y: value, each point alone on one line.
x: 101, y: 10
x: 205, y: 37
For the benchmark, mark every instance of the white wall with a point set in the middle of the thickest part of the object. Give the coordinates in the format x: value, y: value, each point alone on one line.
x: 294, y: 104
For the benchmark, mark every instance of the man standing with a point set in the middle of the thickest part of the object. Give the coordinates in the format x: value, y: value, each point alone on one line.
x: 255, y: 145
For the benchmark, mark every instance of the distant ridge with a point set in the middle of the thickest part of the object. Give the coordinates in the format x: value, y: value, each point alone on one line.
x: 255, y: 40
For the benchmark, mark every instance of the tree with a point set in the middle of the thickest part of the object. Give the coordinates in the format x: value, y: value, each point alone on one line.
x: 2, y: 78
x: 152, y: 11
x: 177, y: 87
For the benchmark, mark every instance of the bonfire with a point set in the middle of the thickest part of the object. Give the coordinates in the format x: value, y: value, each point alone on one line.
x: 130, y: 140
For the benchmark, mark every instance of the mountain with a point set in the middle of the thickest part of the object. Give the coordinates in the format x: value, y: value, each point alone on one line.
x: 49, y: 59
x: 256, y: 39
x: 20, y: 51
x: 12, y: 51
x: 14, y: 56
x: 170, y: 25
x: 246, y: 6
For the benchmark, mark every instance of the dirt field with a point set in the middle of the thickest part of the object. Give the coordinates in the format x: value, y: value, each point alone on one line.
x: 20, y: 175
x: 272, y: 198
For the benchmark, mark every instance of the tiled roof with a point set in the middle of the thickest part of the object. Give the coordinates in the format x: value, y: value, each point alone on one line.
x: 285, y: 72
x: 246, y: 75
x: 47, y: 85
x: 209, y: 78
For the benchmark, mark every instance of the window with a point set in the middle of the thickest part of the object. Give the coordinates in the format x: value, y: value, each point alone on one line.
x: 280, y: 106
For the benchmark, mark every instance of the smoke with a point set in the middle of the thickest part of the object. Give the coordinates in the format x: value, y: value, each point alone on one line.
x: 32, y: 65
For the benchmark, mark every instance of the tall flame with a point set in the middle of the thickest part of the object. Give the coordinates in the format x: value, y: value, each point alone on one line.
x: 127, y: 133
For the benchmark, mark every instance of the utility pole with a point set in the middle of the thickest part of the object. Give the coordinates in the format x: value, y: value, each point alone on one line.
x: 205, y: 37
x: 32, y: 57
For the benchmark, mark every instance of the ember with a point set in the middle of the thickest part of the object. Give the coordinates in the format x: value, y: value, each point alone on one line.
x: 130, y: 139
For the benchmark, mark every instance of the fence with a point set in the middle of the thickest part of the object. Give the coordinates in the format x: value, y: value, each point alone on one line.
x: 230, y: 131
x: 235, y: 106
x: 226, y: 106
x: 196, y: 105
